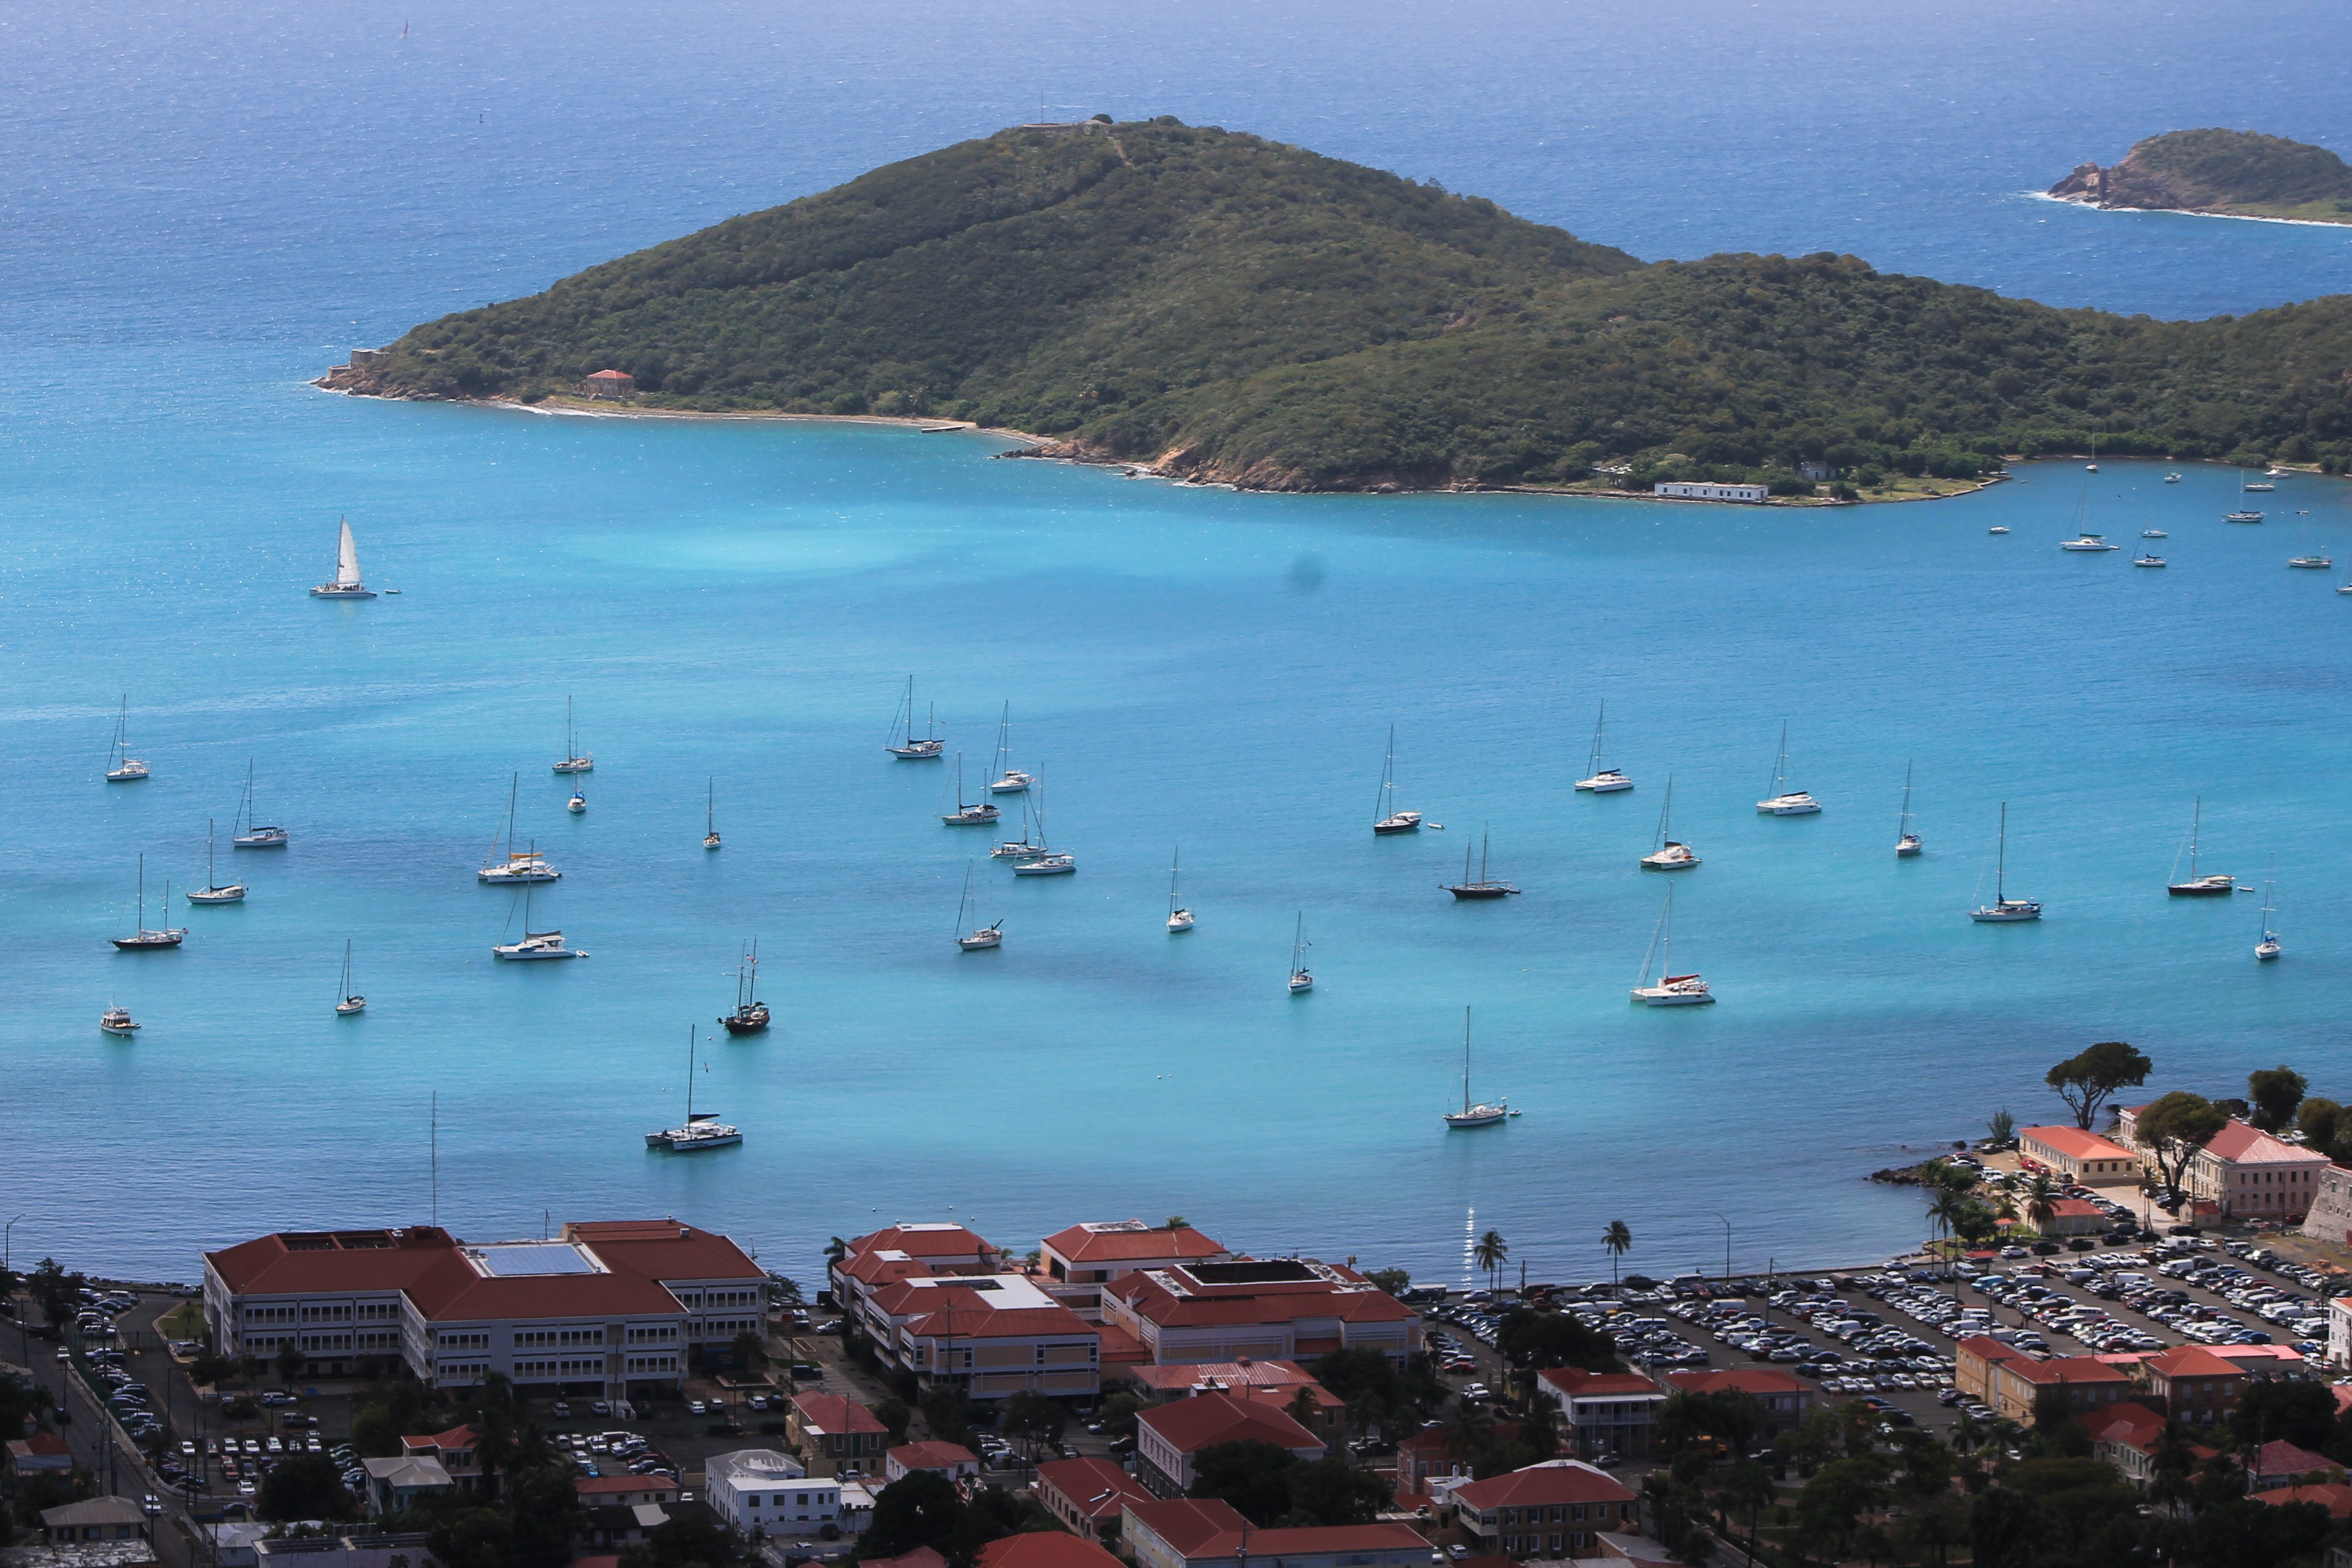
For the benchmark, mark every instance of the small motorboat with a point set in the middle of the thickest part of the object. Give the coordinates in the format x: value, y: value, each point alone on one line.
x: 2088, y: 544
x: 2154, y: 533
x: 2090, y: 468
x: 1996, y: 528
x: 2172, y: 479
x: 2261, y: 485
x: 117, y: 1021
x: 2241, y: 517
x: 577, y: 803
x: 2309, y: 563
x: 535, y: 945
x: 1045, y: 866
x: 2148, y: 560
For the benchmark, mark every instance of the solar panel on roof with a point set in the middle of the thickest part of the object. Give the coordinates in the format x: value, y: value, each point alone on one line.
x: 550, y: 1257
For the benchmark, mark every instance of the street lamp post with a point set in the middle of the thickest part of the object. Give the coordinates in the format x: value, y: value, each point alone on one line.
x: 7, y: 1252
x: 1726, y: 1245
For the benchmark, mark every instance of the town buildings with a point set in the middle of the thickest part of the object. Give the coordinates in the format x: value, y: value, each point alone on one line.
x: 1547, y: 1510
x: 1168, y: 1436
x: 1088, y: 1495
x: 1276, y: 1308
x: 836, y: 1437
x: 604, y: 1307
x: 1079, y: 1260
x: 2081, y: 1157
x: 951, y: 1461
x: 602, y: 383
x: 1280, y: 1384
x: 1192, y: 1533
x: 764, y: 1493
x: 935, y: 1301
x: 2243, y: 1173
x: 1680, y: 491
x: 2192, y: 1385
x: 2010, y: 1380
x: 1603, y: 1412
x: 1785, y: 1399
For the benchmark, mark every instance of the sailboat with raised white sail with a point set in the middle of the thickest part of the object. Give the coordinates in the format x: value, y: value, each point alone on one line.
x: 347, y: 584
x: 972, y: 938
x: 904, y: 746
x: 122, y: 767
x: 699, y: 1132
x: 213, y: 892
x: 1784, y: 801
x: 254, y: 835
x: 2212, y: 885
x: 2004, y: 909
x: 1480, y: 1114
x: 1009, y: 780
x: 1302, y: 979
x: 2268, y: 948
x: 1180, y: 916
x: 1670, y: 990
x: 1601, y: 781
x: 347, y: 1001
x: 1386, y: 818
x: 968, y: 813
x: 520, y: 865
x: 1668, y: 854
x: 1907, y: 843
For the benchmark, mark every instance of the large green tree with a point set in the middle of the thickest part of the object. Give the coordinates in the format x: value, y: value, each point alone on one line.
x: 1253, y: 1477
x: 2274, y: 1093
x: 920, y: 1508
x: 2087, y: 1081
x: 2172, y: 1128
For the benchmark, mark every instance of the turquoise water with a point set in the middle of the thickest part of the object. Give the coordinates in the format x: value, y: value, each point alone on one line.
x: 221, y: 201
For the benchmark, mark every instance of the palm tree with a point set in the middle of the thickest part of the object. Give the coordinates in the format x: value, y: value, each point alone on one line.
x: 1491, y: 1253
x: 2041, y: 1195
x: 836, y: 1250
x: 1619, y: 1240
x: 1467, y: 1435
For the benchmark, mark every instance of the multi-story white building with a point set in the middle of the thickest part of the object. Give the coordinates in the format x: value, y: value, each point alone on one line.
x: 762, y: 1492
x: 2243, y: 1173
x: 1080, y: 1260
x: 606, y: 1306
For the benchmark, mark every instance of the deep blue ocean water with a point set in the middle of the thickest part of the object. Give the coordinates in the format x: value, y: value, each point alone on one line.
x: 205, y: 205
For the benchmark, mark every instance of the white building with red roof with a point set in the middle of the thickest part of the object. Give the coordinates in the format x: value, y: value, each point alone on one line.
x: 1081, y: 1259
x: 1610, y: 1413
x: 991, y: 1335
x: 2244, y: 1172
x: 1276, y: 1308
x: 1086, y: 1495
x: 1279, y: 1384
x: 2077, y: 1156
x: 1169, y: 1437
x: 600, y: 1309
x: 1556, y: 1509
x: 1209, y: 1532
x: 836, y: 1435
x: 953, y: 1461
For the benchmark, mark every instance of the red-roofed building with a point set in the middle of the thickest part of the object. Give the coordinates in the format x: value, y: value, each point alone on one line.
x: 931, y: 1299
x: 2192, y: 1385
x: 603, y: 1307
x: 1081, y: 1259
x: 920, y: 1557
x: 1605, y: 1413
x: 2279, y: 1463
x: 1278, y: 1309
x: 2079, y: 1156
x: 1197, y: 1532
x: 2125, y: 1435
x: 952, y: 1460
x: 1786, y: 1401
x: 455, y: 1450
x: 2011, y: 1381
x: 1086, y: 1495
x: 1547, y: 1511
x: 2333, y: 1496
x: 836, y: 1435
x: 2074, y: 1217
x: 2244, y: 1173
x: 1168, y: 1436
x: 43, y: 1453
x: 608, y: 384
x: 1275, y: 1382
x: 1045, y: 1549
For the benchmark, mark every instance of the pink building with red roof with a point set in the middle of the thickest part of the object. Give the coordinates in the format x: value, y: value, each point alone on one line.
x: 1275, y: 1308
x: 1086, y: 1495
x: 601, y: 1307
x: 2244, y: 1172
x: 1081, y: 1259
x: 607, y: 384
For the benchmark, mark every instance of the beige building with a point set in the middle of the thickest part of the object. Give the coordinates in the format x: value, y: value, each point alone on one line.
x: 2244, y: 1172
x: 2079, y: 1156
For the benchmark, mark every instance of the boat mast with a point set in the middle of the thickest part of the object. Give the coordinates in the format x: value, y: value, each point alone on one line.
x: 1465, y: 1061
x: 1664, y: 809
x: 2195, y: 818
x: 1780, y: 767
x: 1903, y: 827
x: 2001, y: 862
x: 1387, y: 779
x: 1598, y: 723
x: 710, y: 806
x: 512, y: 785
x: 1175, y: 869
x: 142, y: 892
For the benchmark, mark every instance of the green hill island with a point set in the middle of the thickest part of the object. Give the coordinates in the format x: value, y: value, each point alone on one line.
x: 1218, y: 307
x: 2238, y: 174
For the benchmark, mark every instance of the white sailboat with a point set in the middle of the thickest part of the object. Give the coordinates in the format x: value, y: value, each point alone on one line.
x: 970, y: 938
x: 1041, y: 860
x: 700, y: 1132
x: 1386, y: 818
x: 1008, y: 779
x: 347, y: 1001
x: 143, y: 938
x: 122, y: 767
x: 255, y: 834
x: 1668, y: 854
x: 1480, y: 1114
x: 1670, y: 990
x: 968, y: 814
x: 908, y: 748
x: 2268, y: 948
x: 2004, y: 909
x: 2244, y: 513
x: 1301, y: 979
x: 574, y: 760
x: 214, y: 893
x: 1784, y: 801
x: 710, y: 814
x: 520, y: 865
x: 1021, y: 848
x: 536, y: 946
x: 1180, y: 918
x: 2212, y: 885
x: 1601, y: 781
x: 347, y: 584
x: 1907, y: 843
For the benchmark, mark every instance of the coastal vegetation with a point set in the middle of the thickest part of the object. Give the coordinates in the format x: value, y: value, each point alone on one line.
x: 2241, y: 173
x: 1218, y: 306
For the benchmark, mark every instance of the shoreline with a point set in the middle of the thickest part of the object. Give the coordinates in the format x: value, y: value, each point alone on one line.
x: 584, y: 408
x: 2192, y: 212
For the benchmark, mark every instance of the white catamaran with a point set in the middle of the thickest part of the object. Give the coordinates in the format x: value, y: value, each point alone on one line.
x: 1601, y: 781
x: 1668, y: 854
x: 214, y: 893
x: 698, y: 1132
x: 1008, y: 779
x: 2004, y: 909
x: 1784, y: 801
x: 1670, y: 990
x: 536, y: 946
x: 520, y: 865
x: 347, y: 584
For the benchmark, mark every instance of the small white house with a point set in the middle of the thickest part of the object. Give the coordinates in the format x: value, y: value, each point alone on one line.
x: 764, y: 1493
x: 1682, y: 490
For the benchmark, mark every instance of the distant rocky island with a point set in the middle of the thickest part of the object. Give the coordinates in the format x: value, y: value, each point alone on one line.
x: 2240, y: 173
x: 1213, y: 306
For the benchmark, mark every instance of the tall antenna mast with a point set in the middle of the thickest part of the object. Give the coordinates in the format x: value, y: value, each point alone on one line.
x: 435, y: 1155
